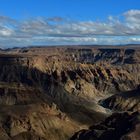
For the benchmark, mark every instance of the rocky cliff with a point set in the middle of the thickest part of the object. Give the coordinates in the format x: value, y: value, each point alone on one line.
x: 51, y: 93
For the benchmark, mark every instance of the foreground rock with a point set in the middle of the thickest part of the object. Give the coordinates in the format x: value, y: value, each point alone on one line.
x: 119, y: 126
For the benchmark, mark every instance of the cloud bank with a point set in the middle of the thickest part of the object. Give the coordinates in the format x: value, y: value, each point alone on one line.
x: 62, y: 31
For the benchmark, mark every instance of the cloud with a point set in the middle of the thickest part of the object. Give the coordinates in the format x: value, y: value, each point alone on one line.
x: 132, y: 16
x: 58, y: 30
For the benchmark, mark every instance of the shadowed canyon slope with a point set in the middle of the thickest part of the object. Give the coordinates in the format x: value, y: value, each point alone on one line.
x: 52, y: 93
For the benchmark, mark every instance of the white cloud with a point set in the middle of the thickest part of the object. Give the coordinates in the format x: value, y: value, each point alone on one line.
x: 133, y: 20
x: 6, y: 32
x: 57, y: 30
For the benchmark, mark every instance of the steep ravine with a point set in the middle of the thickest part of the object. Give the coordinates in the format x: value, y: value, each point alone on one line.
x: 45, y: 95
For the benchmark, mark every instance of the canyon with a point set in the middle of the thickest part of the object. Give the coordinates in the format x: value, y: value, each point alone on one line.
x: 70, y: 93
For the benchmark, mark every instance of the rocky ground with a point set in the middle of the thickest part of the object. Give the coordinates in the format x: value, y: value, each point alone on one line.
x: 52, y: 93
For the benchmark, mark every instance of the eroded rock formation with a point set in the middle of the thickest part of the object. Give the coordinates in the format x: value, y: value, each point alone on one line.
x: 52, y: 93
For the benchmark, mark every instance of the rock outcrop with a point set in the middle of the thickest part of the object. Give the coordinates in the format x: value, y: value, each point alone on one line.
x: 127, y: 101
x: 119, y: 126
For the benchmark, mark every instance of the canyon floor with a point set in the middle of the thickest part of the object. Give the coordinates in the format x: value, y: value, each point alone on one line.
x: 70, y: 93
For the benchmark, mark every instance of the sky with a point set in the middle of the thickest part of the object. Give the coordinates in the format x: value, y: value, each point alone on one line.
x: 69, y: 22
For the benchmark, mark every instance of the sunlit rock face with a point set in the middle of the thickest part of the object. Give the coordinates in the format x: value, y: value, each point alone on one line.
x: 125, y: 101
x: 52, y: 93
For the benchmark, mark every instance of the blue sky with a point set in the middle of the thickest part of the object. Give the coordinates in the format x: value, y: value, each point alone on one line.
x: 52, y: 22
x: 77, y: 9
